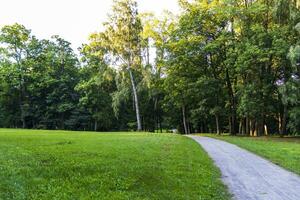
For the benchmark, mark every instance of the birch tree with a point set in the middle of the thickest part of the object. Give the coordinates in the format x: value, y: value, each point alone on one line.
x: 122, y: 38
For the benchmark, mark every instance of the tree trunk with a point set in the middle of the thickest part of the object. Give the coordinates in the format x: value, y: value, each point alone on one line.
x: 160, y: 127
x: 22, y: 90
x: 266, y: 130
x: 156, y: 120
x: 283, y: 130
x: 262, y: 126
x: 22, y: 115
x: 251, y: 126
x: 247, y: 126
x: 230, y: 124
x: 241, y: 127
x: 136, y: 101
x: 189, y: 127
x: 22, y: 104
x: 184, y: 120
x: 96, y: 125
x: 217, y: 124
x: 62, y: 122
x: 232, y: 120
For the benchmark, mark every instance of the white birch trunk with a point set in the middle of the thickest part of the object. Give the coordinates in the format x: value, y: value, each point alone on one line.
x: 136, y: 101
x: 184, y: 120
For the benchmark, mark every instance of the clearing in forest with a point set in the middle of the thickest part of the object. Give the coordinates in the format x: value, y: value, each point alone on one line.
x: 80, y: 165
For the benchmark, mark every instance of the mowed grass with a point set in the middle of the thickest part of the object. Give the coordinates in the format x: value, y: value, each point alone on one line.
x: 77, y: 165
x: 284, y: 152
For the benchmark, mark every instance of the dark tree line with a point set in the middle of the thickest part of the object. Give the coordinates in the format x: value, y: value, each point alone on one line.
x: 220, y: 66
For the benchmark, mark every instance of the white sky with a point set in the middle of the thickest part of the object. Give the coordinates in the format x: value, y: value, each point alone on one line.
x: 73, y: 20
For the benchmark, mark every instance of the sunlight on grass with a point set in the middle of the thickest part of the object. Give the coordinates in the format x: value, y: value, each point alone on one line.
x: 80, y: 165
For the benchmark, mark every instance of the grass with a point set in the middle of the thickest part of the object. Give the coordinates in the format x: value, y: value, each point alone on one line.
x: 77, y: 165
x: 284, y: 152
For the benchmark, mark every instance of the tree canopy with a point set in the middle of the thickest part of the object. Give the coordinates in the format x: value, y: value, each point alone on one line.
x: 219, y: 66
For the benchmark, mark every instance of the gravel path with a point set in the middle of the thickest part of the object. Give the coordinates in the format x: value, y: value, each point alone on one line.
x: 248, y: 176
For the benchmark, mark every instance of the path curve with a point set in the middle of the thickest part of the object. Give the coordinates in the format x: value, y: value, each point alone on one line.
x: 248, y: 176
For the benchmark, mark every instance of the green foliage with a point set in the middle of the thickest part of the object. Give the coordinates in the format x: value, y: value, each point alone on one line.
x: 95, y: 88
x: 228, y: 57
x: 219, y: 66
x: 38, y: 78
x: 122, y: 41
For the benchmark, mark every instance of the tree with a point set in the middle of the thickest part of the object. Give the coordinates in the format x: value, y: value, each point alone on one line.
x: 122, y: 39
x: 219, y: 66
x: 16, y: 39
x: 156, y: 35
x: 96, y: 86
x: 61, y: 77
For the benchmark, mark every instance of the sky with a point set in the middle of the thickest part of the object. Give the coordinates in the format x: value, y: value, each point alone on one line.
x: 73, y: 20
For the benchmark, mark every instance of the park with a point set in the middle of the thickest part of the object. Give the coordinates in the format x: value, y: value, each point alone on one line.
x: 140, y: 100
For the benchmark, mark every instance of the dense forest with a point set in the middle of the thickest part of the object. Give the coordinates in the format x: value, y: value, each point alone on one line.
x: 223, y: 66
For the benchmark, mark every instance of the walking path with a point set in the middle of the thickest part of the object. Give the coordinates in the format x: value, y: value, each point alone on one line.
x: 248, y: 176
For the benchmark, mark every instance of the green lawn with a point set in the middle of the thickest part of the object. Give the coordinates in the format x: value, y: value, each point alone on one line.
x: 77, y: 165
x: 282, y: 151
